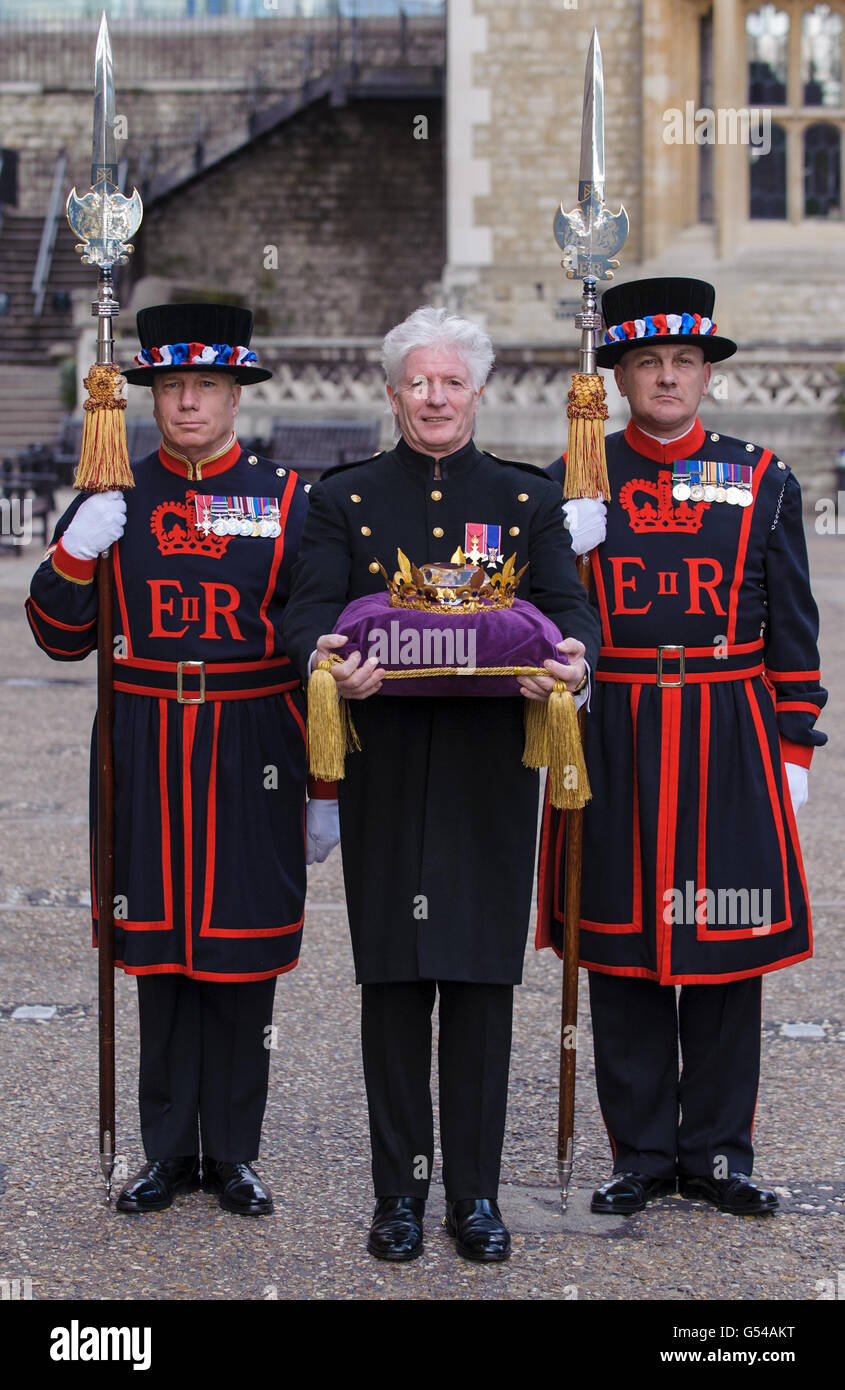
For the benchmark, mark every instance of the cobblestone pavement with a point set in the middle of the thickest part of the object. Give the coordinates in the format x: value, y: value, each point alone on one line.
x: 57, y: 1232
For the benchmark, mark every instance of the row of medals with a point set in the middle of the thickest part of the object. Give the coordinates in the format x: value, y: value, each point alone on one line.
x: 249, y: 516
x: 735, y: 495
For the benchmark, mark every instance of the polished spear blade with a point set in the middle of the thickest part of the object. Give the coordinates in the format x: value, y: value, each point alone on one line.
x: 591, y: 168
x: 103, y: 157
x: 104, y: 220
x: 590, y: 235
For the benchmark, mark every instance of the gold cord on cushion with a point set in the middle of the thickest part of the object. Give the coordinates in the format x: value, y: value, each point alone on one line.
x: 465, y: 671
x: 551, y: 729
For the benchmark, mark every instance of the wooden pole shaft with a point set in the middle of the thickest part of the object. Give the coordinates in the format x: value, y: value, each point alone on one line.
x: 569, y: 985
x: 105, y: 861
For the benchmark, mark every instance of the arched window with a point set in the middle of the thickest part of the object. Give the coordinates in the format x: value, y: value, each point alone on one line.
x: 822, y: 163
x: 821, y: 56
x: 768, y: 178
x: 767, y: 43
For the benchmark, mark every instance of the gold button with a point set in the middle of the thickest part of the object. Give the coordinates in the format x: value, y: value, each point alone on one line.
x: 781, y: 465
x: 523, y: 497
x: 514, y: 531
x: 252, y: 459
x: 365, y: 531
x: 436, y: 496
x: 438, y: 532
x: 353, y: 497
x: 374, y: 567
x: 280, y: 472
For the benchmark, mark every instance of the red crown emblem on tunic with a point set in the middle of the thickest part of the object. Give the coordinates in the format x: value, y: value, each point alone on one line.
x: 661, y: 513
x: 182, y: 537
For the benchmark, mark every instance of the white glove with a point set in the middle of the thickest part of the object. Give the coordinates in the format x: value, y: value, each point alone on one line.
x: 322, y: 829
x: 98, y: 523
x: 798, y: 781
x: 586, y: 520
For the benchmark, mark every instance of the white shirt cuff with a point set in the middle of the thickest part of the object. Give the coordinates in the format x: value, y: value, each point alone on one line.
x: 584, y: 695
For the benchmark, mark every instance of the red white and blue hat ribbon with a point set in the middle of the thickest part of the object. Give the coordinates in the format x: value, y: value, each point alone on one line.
x: 196, y: 354
x: 660, y: 326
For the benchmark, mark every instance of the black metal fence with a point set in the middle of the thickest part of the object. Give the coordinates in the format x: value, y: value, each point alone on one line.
x: 57, y: 52
x: 74, y: 10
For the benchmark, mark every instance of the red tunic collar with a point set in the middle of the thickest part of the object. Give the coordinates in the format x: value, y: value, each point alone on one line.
x: 205, y: 468
x: 665, y: 453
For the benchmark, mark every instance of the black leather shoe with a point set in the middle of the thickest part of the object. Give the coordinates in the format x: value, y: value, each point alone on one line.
x: 396, y: 1232
x: 239, y: 1187
x: 479, y: 1232
x: 157, y: 1183
x: 628, y: 1192
x: 736, y: 1193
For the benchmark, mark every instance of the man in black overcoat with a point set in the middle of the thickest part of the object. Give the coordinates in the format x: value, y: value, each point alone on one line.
x: 438, y: 813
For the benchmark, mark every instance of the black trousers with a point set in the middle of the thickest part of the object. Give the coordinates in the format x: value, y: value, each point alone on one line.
x: 473, y: 1057
x: 659, y: 1122
x: 204, y: 1065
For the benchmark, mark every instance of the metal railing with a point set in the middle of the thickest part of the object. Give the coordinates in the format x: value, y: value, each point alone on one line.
x: 41, y: 274
x: 55, y: 51
x: 75, y: 11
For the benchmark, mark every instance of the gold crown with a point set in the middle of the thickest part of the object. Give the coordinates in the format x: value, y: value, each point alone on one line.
x: 453, y: 587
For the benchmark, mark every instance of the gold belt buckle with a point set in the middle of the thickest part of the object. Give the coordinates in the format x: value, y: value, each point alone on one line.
x: 183, y: 699
x: 670, y: 685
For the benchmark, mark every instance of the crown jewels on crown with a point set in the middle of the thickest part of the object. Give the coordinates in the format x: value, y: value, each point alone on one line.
x: 450, y: 588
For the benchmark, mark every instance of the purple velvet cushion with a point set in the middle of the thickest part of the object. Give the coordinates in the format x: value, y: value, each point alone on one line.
x: 404, y: 639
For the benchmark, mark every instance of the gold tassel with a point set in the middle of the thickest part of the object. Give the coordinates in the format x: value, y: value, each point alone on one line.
x: 569, y: 786
x: 536, y: 751
x: 331, y: 732
x: 586, y: 464
x: 351, y: 741
x: 103, y: 457
x: 553, y: 740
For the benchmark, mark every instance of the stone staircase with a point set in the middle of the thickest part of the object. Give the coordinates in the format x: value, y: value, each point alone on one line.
x: 24, y: 339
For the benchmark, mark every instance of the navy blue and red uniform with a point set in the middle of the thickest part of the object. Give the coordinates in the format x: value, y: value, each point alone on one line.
x: 209, y: 731
x: 707, y: 683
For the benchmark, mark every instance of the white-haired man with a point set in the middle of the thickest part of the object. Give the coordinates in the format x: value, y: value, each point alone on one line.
x: 438, y: 814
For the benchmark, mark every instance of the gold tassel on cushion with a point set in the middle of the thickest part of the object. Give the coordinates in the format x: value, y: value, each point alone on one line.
x: 331, y: 732
x: 103, y: 457
x: 586, y: 464
x: 569, y: 786
x: 553, y: 740
x: 536, y: 751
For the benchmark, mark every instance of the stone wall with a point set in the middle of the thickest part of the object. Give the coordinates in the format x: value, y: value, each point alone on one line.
x: 331, y: 225
x: 530, y: 59
x: 515, y: 120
